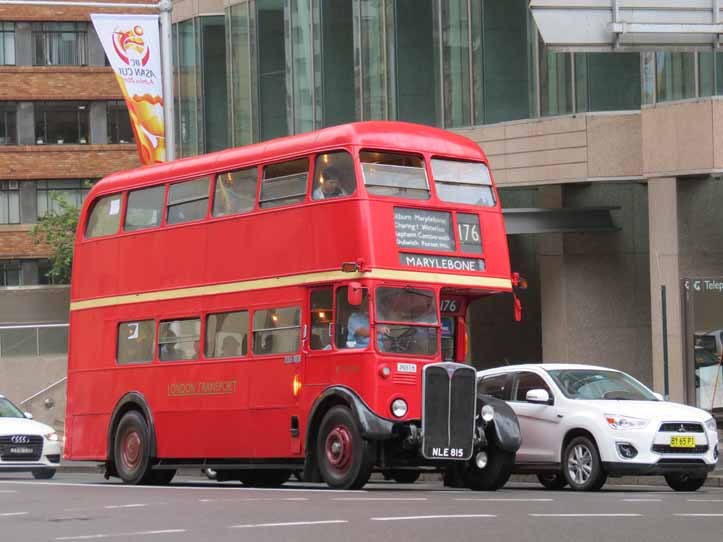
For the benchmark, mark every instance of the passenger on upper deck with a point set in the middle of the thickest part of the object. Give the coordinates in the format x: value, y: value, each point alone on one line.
x: 328, y: 184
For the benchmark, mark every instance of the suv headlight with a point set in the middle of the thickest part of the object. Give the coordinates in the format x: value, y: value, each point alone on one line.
x: 711, y: 424
x: 52, y: 437
x: 625, y: 422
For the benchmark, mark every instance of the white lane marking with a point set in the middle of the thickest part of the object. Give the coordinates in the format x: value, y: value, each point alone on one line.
x: 450, y: 516
x: 705, y: 500
x: 116, y: 506
x: 503, y: 500
x: 9, y: 514
x: 261, y: 499
x: 287, y: 524
x: 202, y: 487
x: 699, y: 515
x: 379, y: 499
x: 113, y: 535
x: 642, y: 500
x: 7, y: 491
x: 585, y: 515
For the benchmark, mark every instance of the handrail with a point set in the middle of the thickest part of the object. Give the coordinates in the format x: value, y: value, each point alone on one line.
x: 43, y: 391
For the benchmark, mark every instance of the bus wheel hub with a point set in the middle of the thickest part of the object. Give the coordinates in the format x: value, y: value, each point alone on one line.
x: 339, y: 448
x: 130, y: 449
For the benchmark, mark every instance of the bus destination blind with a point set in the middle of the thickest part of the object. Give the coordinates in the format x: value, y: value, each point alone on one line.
x: 425, y: 230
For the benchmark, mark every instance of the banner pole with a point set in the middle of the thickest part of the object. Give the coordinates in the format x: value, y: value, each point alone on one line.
x: 167, y: 74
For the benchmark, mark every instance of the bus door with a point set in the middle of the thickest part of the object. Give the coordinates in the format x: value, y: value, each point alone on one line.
x: 454, y: 328
x: 274, y: 371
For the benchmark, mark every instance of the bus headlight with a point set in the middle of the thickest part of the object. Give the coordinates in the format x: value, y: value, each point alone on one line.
x: 488, y: 413
x: 399, y: 408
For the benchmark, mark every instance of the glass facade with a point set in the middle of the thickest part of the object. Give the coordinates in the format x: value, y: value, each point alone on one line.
x: 7, y: 43
x: 60, y: 44
x: 607, y: 81
x: 8, y: 123
x: 9, y: 202
x: 61, y: 122
x: 49, y: 192
x: 675, y: 76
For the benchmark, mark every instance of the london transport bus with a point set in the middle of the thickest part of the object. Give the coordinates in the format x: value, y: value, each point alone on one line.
x: 293, y: 306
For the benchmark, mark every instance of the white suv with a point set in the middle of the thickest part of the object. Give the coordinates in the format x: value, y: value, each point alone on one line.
x: 26, y: 445
x: 581, y: 423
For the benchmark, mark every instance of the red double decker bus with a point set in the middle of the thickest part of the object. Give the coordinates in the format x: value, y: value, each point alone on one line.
x: 296, y: 305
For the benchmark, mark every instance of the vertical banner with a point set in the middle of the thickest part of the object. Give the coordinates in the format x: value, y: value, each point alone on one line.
x: 131, y: 43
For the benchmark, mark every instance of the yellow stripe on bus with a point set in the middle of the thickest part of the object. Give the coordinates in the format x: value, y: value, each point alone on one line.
x: 292, y: 280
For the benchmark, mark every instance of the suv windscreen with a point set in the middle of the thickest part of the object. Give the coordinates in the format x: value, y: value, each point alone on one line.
x: 595, y: 384
x: 406, y: 321
x: 9, y: 410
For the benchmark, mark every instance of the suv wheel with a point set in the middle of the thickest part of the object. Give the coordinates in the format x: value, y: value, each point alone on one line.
x: 682, y: 481
x: 581, y: 465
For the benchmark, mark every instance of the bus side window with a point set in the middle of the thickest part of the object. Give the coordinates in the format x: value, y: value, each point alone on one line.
x: 188, y: 201
x: 322, y: 315
x: 105, y: 217
x: 284, y: 183
x: 227, y: 335
x: 135, y: 342
x: 333, y: 176
x: 179, y: 339
x: 235, y: 192
x: 277, y: 331
x: 144, y: 208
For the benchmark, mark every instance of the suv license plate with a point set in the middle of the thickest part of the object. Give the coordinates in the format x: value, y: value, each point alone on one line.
x: 682, y: 442
x: 21, y: 451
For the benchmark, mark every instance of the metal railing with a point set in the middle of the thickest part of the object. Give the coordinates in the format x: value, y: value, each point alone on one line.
x: 33, y: 340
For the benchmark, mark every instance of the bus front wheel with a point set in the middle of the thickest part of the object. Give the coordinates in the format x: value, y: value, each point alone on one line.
x: 131, y: 449
x: 342, y: 454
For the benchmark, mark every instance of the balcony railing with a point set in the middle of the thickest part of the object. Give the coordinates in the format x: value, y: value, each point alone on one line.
x: 33, y: 340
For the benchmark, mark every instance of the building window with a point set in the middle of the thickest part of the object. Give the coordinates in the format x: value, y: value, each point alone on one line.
x: 10, y: 274
x: 7, y: 43
x: 60, y: 44
x: 8, y: 123
x: 675, y: 76
x: 61, y: 122
x: 49, y: 192
x: 119, y: 123
x: 607, y: 81
x: 9, y: 202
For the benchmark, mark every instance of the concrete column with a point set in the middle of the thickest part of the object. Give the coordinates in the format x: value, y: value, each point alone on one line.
x: 98, y: 123
x: 96, y: 55
x: 28, y: 202
x: 26, y: 123
x: 551, y: 254
x: 665, y: 271
x: 23, y: 44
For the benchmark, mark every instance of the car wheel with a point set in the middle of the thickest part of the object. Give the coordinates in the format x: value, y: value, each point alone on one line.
x: 492, y: 477
x: 131, y: 449
x: 43, y: 474
x: 264, y: 478
x: 404, y: 476
x: 581, y: 465
x: 683, y: 481
x: 552, y: 480
x: 342, y: 454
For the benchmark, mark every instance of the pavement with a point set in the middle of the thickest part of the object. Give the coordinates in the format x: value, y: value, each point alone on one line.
x: 715, y: 479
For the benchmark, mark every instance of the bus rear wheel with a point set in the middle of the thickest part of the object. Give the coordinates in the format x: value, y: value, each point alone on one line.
x: 131, y: 449
x: 342, y: 454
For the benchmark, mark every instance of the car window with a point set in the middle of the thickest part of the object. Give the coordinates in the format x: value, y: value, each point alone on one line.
x: 496, y: 386
x: 529, y: 381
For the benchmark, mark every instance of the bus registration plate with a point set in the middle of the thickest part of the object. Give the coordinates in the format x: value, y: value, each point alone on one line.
x: 406, y: 368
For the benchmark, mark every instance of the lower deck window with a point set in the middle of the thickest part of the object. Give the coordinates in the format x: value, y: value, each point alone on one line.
x: 277, y: 331
x: 135, y: 342
x: 179, y: 339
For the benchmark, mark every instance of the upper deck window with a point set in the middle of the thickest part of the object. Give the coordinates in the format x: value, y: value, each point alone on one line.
x: 333, y: 176
x: 391, y: 174
x: 235, y: 192
x: 145, y: 208
x: 284, y: 183
x: 463, y: 182
x: 105, y: 217
x: 188, y: 201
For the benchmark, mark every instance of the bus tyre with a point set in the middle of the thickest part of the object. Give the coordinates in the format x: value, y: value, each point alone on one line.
x: 131, y: 449
x: 682, y: 481
x: 581, y: 465
x: 552, y: 480
x: 43, y: 474
x: 264, y: 478
x: 342, y: 454
x: 491, y: 478
x: 404, y: 476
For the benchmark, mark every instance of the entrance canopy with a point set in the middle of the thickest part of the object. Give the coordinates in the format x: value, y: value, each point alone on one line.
x: 628, y: 25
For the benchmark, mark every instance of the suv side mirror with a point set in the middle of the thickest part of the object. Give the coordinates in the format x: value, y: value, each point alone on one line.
x: 538, y: 396
x: 28, y: 415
